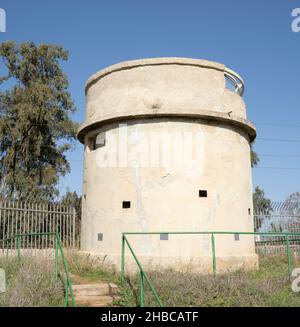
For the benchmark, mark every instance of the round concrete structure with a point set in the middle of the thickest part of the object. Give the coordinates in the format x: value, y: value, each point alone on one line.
x: 167, y: 148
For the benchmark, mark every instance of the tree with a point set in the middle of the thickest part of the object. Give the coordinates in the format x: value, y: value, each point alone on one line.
x: 294, y: 197
x: 294, y: 207
x: 71, y: 199
x: 260, y: 202
x: 35, y: 126
x: 262, y: 207
x: 254, y: 157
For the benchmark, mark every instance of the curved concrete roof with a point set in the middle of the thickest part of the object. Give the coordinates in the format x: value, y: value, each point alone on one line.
x: 151, y: 62
x: 209, y: 115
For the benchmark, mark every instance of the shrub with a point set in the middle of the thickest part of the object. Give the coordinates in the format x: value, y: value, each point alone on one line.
x: 30, y: 283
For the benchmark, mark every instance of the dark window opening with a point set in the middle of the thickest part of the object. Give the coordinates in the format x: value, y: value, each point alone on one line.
x: 99, y: 141
x: 203, y: 194
x: 249, y: 211
x: 126, y: 204
x: 100, y: 236
x: 236, y: 237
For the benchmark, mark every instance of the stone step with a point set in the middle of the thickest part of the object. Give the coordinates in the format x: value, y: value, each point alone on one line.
x: 95, y: 289
x: 94, y: 301
x: 93, y: 294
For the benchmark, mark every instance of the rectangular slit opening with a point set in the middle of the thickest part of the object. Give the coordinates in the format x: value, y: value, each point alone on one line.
x: 203, y: 193
x: 126, y: 204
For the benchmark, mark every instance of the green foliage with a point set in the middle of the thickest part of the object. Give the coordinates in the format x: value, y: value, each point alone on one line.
x: 89, y: 268
x: 128, y: 296
x: 254, y: 157
x: 35, y: 127
x: 262, y: 206
x: 71, y: 199
x: 260, y: 202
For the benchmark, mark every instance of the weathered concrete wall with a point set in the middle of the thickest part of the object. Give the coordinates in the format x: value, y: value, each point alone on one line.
x: 167, y: 97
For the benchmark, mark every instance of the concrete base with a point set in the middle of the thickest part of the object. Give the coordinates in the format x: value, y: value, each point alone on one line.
x: 201, y: 265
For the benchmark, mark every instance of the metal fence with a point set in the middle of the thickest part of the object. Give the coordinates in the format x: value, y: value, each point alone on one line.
x: 21, y: 217
x: 276, y: 217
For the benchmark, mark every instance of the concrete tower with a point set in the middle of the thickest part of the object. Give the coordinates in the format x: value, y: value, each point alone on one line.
x: 167, y: 148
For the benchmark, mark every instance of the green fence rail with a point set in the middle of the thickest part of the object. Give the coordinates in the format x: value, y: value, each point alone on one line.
x: 58, y: 249
x: 143, y: 275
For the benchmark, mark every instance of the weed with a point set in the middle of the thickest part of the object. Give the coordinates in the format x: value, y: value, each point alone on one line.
x: 89, y: 267
x: 267, y: 286
x: 30, y: 283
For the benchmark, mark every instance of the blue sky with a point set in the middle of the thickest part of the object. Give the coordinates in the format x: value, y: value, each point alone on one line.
x: 252, y: 37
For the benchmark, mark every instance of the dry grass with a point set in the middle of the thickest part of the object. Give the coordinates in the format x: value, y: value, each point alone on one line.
x: 268, y: 286
x: 89, y: 268
x: 30, y: 283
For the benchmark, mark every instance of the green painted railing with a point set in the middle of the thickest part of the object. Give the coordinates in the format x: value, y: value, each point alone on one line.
x: 143, y: 274
x: 58, y: 249
x: 285, y: 236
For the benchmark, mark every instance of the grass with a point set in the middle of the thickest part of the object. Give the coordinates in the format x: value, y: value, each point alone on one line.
x: 30, y: 283
x: 268, y: 286
x: 89, y: 268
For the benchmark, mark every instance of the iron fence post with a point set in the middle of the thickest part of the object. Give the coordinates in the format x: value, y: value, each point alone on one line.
x: 6, y: 247
x: 74, y: 227
x: 19, y: 247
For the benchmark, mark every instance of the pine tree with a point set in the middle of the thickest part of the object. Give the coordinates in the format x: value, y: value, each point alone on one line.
x: 35, y: 125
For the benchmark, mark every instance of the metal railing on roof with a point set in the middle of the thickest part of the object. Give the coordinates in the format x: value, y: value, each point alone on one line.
x: 236, y: 80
